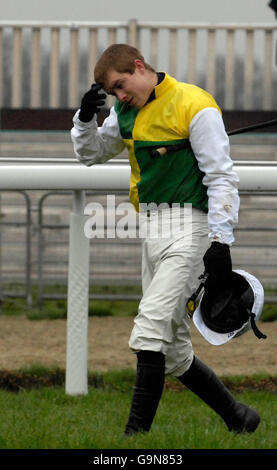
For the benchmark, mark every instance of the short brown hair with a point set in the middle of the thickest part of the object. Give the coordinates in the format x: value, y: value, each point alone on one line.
x: 118, y: 57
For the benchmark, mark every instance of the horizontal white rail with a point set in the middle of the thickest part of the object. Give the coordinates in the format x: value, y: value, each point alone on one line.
x: 75, y: 177
x: 254, y: 176
x: 141, y: 24
x: 62, y: 24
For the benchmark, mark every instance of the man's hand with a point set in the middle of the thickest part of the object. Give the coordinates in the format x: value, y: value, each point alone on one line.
x: 91, y: 103
x: 218, y: 264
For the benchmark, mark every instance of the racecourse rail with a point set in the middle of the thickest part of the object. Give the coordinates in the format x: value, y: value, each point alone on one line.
x: 194, y: 52
x: 255, y: 177
x: 70, y: 175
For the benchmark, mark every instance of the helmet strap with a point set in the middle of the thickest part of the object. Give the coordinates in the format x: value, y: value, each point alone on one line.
x: 254, y: 327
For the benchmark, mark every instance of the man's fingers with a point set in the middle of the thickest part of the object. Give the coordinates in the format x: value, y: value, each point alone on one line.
x: 102, y: 96
x: 96, y: 102
x: 93, y: 92
x: 99, y: 103
x: 96, y: 86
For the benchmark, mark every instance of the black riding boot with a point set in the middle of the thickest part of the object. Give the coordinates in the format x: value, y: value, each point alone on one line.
x: 147, y: 391
x: 202, y: 381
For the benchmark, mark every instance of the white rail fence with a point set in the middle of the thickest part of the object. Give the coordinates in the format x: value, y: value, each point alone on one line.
x: 50, y: 64
x: 254, y: 177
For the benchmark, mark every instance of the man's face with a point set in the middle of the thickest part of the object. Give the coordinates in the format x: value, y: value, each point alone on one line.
x: 133, y: 89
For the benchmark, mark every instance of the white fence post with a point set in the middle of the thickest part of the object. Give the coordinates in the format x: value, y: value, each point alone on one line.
x: 132, y: 33
x: 78, y: 294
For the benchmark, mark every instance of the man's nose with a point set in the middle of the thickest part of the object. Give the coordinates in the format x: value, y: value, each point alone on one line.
x: 121, y: 95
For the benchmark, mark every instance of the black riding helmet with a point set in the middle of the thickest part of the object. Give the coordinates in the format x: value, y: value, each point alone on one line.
x: 230, y: 311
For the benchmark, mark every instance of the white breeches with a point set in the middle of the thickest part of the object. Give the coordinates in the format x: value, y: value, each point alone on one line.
x: 172, y: 261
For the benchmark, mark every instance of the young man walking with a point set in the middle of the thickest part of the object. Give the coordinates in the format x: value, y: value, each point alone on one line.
x: 179, y: 155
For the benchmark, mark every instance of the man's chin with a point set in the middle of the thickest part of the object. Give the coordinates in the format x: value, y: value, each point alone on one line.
x: 135, y: 105
x: 132, y: 103
x: 138, y: 105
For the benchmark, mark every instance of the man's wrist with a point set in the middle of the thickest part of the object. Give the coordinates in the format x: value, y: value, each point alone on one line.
x: 77, y: 120
x: 85, y: 117
x: 224, y: 238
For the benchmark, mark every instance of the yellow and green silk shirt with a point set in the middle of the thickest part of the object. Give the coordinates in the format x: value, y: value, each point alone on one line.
x: 163, y: 122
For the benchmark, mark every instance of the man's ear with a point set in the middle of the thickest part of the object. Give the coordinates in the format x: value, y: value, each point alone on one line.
x: 139, y: 65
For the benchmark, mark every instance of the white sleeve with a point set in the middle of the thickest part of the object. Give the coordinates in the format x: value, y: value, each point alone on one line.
x: 93, y: 144
x: 210, y: 144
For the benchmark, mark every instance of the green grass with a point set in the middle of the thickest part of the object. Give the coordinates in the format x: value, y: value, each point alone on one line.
x: 269, y: 312
x: 48, y: 418
x: 57, y: 308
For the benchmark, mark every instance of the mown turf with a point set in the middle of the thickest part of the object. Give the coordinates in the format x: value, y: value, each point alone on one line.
x: 40, y: 415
